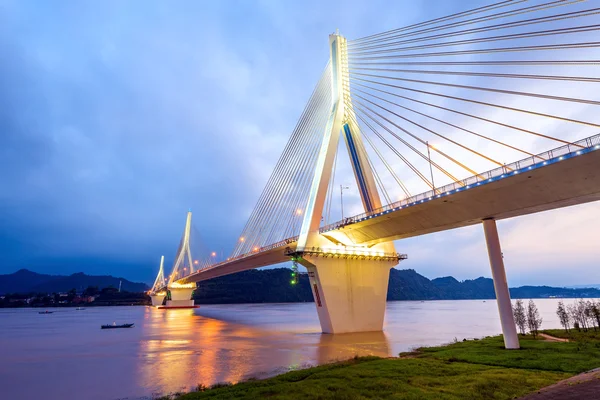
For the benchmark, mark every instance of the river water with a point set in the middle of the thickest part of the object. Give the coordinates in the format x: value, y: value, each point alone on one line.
x: 65, y: 355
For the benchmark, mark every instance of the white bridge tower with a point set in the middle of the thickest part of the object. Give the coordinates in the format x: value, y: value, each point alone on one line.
x: 349, y: 282
x: 158, y: 293
x: 180, y: 294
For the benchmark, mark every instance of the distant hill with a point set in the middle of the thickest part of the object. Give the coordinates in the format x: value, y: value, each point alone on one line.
x: 593, y: 285
x: 25, y: 281
x: 273, y: 285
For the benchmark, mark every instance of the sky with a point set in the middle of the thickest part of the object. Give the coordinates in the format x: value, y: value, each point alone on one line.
x: 116, y: 117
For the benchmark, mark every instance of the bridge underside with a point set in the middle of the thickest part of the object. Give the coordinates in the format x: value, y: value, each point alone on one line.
x: 562, y: 184
x: 260, y: 259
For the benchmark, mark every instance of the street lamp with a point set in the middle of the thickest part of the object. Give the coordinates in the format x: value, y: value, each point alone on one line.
x: 342, y: 187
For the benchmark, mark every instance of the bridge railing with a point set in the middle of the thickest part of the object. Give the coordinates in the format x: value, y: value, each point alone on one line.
x: 281, y: 243
x: 538, y: 160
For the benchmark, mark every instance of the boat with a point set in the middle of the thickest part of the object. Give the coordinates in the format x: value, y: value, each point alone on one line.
x: 115, y: 326
x: 45, y: 312
x: 80, y: 308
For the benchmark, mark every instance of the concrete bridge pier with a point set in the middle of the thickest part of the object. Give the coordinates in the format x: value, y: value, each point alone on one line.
x: 181, y: 297
x: 509, y: 329
x: 158, y: 299
x: 350, y: 291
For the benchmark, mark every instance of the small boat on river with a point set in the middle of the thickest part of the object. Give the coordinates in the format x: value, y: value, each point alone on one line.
x: 45, y: 312
x: 115, y: 326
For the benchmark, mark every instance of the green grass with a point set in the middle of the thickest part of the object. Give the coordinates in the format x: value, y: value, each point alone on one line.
x: 572, y: 357
x: 574, y: 334
x: 480, y: 369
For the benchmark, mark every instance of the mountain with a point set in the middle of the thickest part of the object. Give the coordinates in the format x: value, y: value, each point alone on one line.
x: 273, y: 285
x: 25, y: 281
x: 254, y: 286
x: 592, y: 285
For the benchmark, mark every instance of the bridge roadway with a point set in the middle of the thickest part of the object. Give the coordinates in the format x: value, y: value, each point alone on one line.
x: 561, y: 177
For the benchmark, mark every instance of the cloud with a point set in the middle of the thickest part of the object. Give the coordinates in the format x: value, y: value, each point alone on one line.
x: 115, y: 118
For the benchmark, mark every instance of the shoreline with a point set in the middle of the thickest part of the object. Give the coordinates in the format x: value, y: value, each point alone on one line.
x: 474, y: 369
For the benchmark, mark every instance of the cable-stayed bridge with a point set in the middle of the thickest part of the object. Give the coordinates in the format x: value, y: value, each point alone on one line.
x: 428, y: 113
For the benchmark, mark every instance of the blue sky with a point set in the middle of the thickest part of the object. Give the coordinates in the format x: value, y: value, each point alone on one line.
x: 118, y: 116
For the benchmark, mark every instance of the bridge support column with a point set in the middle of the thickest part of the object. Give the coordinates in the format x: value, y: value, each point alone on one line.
x: 158, y: 299
x: 180, y: 298
x: 509, y: 329
x: 350, y: 293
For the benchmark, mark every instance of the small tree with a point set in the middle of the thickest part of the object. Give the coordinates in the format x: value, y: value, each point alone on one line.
x: 589, y: 314
x: 520, y: 317
x: 580, y: 308
x: 574, y: 316
x: 534, y: 321
x: 563, y: 316
x: 595, y: 311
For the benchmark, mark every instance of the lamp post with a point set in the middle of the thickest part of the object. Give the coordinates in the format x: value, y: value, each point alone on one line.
x: 342, y: 187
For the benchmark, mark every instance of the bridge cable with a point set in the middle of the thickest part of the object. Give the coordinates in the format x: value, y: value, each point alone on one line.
x: 299, y: 172
x: 448, y: 123
x: 280, y: 173
x: 305, y: 180
x: 488, y: 74
x: 562, y: 46
x: 252, y: 234
x: 383, y: 160
x: 505, y: 14
x: 361, y: 149
x: 435, y: 133
x: 491, y: 105
x: 485, y: 63
x: 448, y: 174
x: 438, y: 20
x: 488, y: 28
x: 512, y: 36
x: 396, y: 151
x: 455, y: 161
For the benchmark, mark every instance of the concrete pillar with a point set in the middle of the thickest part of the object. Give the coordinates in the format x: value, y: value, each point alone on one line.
x: 158, y: 299
x: 509, y: 329
x: 181, y: 298
x: 350, y: 294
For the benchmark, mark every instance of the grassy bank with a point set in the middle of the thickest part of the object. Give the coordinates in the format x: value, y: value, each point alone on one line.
x: 478, y: 369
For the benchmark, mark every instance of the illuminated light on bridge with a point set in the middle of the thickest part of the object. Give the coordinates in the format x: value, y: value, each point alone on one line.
x: 367, y: 97
x: 213, y: 254
x: 176, y: 285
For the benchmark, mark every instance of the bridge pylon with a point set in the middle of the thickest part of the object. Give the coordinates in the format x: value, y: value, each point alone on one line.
x: 349, y: 282
x: 180, y: 294
x: 158, y: 293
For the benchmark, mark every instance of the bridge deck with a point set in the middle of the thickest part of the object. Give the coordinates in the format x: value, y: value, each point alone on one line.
x: 565, y: 180
x: 263, y: 258
x: 559, y: 178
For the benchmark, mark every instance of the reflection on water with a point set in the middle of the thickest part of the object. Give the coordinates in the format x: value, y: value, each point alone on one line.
x: 345, y: 345
x: 65, y: 355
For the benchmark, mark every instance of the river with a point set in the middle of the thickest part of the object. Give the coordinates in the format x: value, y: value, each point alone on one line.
x: 65, y: 355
